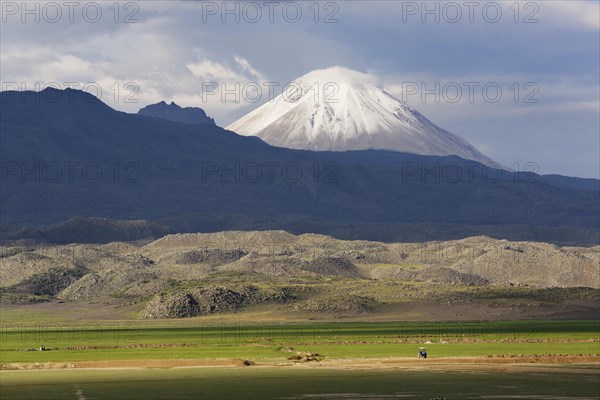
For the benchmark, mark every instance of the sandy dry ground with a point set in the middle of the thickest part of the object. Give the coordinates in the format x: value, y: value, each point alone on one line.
x: 445, y: 363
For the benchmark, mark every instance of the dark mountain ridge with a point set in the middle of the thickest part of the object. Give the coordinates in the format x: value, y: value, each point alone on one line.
x: 175, y: 113
x: 76, y: 156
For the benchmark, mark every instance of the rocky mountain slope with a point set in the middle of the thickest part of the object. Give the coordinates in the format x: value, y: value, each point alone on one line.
x: 186, y: 275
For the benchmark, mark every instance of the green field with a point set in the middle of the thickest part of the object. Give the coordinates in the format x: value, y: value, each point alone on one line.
x: 294, y: 383
x: 271, y: 344
x: 131, y: 341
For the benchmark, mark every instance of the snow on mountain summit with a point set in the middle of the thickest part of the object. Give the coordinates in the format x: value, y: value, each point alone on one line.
x: 339, y: 75
x: 339, y: 109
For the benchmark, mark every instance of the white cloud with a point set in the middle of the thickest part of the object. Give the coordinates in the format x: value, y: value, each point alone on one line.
x: 64, y: 67
x: 246, y: 67
x: 211, y: 71
x: 573, y: 13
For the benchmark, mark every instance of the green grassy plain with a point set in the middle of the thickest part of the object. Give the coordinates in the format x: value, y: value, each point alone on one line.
x: 131, y: 341
x: 296, y: 383
x: 272, y: 344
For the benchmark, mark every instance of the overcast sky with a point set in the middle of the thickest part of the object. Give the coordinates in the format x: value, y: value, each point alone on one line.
x: 543, y: 57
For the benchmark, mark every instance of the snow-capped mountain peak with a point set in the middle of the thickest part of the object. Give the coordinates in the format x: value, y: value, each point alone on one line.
x: 339, y: 109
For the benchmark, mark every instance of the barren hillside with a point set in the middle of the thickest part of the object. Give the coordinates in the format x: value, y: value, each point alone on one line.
x: 184, y: 275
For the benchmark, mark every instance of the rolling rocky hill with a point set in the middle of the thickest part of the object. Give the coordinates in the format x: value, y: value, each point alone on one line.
x: 185, y: 275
